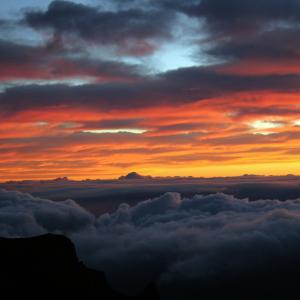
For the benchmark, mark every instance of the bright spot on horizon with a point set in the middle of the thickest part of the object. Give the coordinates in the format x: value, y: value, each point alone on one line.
x: 117, y: 130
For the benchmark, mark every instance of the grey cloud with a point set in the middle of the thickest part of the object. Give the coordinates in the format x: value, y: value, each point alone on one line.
x: 107, y: 27
x: 277, y: 45
x: 22, y: 214
x: 19, y: 61
x: 175, y: 87
x: 250, y: 29
x: 178, y: 242
x: 13, y: 53
x: 236, y: 16
x: 266, y: 29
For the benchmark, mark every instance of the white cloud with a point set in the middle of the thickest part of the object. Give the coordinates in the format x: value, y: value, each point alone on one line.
x: 261, y: 124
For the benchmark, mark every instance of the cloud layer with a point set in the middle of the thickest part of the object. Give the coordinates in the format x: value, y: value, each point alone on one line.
x: 185, y: 245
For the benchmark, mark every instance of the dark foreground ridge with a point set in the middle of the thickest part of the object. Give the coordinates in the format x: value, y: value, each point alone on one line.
x: 47, y: 267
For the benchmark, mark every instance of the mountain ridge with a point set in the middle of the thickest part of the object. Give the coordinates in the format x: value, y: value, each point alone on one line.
x: 47, y: 267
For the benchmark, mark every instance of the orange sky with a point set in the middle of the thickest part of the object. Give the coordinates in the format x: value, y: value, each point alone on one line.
x: 227, y: 136
x: 209, y: 100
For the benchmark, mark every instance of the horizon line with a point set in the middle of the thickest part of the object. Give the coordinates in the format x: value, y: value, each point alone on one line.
x: 142, y: 177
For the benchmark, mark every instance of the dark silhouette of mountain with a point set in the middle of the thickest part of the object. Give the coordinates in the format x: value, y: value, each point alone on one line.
x: 47, y: 267
x: 61, y: 179
x: 134, y: 175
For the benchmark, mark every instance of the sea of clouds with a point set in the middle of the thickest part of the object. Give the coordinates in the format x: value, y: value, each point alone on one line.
x: 170, y: 240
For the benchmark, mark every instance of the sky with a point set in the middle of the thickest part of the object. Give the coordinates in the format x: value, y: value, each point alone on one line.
x: 96, y: 89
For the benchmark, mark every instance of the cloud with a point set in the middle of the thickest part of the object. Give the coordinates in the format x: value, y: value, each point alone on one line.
x: 26, y: 62
x: 273, y: 51
x: 182, y: 86
x: 250, y: 16
x: 187, y: 245
x: 255, y: 30
x: 129, y: 29
x: 25, y: 215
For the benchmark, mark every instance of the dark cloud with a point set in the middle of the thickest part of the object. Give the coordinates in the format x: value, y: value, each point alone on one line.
x: 202, y: 245
x: 97, y: 70
x: 22, y: 61
x: 276, y: 43
x: 234, y: 16
x: 13, y: 53
x: 278, y: 46
x: 19, y: 61
x: 129, y: 29
x: 175, y: 87
x: 95, y: 23
x: 273, y: 38
x: 243, y: 29
x: 234, y: 29
x: 260, y: 31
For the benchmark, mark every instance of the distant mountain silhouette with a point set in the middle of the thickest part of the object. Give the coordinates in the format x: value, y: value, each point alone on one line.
x: 61, y: 179
x: 47, y: 267
x: 134, y: 175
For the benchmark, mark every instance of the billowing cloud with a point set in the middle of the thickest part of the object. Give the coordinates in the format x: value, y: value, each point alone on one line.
x: 23, y: 215
x: 189, y: 246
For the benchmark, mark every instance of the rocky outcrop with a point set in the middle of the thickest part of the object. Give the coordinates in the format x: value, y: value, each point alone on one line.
x: 47, y: 267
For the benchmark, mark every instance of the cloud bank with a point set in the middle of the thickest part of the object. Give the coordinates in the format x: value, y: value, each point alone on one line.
x: 188, y: 246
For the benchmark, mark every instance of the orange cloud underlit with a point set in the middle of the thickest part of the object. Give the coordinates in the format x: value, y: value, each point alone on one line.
x: 209, y: 138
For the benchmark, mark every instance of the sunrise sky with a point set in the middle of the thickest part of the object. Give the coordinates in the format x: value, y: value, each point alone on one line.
x: 99, y: 88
